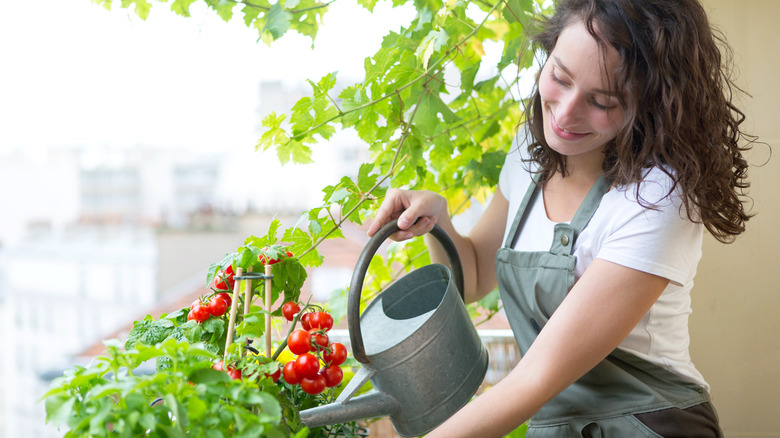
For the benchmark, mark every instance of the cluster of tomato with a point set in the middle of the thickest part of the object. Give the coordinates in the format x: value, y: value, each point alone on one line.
x: 219, y: 303
x: 311, y: 345
x: 268, y: 260
x: 234, y: 373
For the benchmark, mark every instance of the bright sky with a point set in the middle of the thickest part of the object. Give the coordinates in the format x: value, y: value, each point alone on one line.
x: 73, y: 73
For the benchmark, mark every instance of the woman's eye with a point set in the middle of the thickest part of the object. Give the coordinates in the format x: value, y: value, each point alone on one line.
x: 599, y: 105
x: 556, y: 79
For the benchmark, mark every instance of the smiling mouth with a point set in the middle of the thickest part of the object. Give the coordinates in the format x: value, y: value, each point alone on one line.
x: 561, y: 127
x: 563, y: 133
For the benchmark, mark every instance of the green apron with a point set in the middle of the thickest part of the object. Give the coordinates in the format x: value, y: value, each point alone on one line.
x: 602, y: 403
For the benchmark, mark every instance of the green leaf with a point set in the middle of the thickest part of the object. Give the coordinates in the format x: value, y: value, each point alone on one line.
x: 294, y: 151
x: 338, y: 195
x: 142, y: 7
x: 368, y: 4
x: 491, y: 301
x: 223, y: 8
x: 276, y: 22
x: 59, y: 409
x: 208, y: 375
x: 253, y: 325
x: 514, y: 10
x: 182, y: 7
x: 427, y: 116
x: 432, y: 43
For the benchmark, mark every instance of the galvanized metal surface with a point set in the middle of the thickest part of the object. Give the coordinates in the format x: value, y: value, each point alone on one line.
x: 419, y: 348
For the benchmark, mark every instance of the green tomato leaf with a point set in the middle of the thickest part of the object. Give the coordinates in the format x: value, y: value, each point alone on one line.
x: 208, y: 375
x: 59, y: 409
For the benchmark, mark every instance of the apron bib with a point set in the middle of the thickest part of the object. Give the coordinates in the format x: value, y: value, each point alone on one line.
x: 606, y: 400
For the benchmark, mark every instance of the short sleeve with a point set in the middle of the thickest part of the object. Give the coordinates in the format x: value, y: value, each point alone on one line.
x: 660, y: 240
x: 514, y: 173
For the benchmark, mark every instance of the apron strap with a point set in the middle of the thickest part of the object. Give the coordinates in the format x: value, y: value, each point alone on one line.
x: 590, y: 204
x: 522, y: 212
x: 565, y: 234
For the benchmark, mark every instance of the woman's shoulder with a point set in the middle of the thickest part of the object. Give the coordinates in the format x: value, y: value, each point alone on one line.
x: 516, y: 172
x: 657, y: 188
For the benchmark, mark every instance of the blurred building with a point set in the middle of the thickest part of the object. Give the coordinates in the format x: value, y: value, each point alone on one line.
x: 101, y: 236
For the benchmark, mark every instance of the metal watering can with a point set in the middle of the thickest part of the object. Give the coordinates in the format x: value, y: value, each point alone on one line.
x: 416, y: 344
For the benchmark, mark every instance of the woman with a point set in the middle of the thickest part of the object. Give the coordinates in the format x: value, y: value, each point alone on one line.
x: 595, y: 230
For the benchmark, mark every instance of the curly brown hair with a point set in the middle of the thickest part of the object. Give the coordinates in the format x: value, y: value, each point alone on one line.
x: 677, y: 93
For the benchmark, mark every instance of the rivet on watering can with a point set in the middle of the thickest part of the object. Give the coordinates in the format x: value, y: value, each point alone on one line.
x: 565, y: 240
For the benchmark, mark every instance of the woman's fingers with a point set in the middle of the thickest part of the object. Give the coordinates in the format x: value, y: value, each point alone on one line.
x: 414, y: 211
x: 390, y: 209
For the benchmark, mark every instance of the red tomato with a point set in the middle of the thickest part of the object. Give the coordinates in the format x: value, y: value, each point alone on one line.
x: 224, y: 279
x: 290, y: 376
x: 313, y: 385
x: 307, y: 365
x: 320, y: 339
x: 305, y: 318
x: 290, y: 309
x: 288, y: 254
x: 333, y: 375
x: 299, y: 341
x: 265, y: 259
x: 275, y: 375
x: 234, y: 373
x: 225, y: 296
x: 219, y: 366
x: 321, y: 320
x: 337, y: 354
x: 198, y: 312
x: 217, y: 306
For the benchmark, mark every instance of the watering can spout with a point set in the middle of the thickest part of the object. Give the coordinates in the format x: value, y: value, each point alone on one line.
x: 375, y: 404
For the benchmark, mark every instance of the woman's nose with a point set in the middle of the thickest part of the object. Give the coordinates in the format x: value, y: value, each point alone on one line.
x: 568, y: 110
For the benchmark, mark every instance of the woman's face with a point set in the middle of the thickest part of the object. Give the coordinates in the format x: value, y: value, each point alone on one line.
x: 581, y: 113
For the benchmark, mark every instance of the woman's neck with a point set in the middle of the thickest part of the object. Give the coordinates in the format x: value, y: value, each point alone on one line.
x: 563, y: 195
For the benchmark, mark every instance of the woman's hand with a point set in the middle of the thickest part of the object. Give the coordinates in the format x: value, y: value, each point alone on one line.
x: 416, y: 212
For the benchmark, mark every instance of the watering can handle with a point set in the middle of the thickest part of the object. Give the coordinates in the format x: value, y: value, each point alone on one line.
x: 356, y: 285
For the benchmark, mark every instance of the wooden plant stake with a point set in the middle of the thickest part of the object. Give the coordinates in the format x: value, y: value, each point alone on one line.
x: 247, y: 300
x: 248, y: 293
x: 268, y: 303
x: 233, y: 309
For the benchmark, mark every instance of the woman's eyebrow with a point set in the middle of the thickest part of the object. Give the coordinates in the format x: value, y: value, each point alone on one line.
x: 569, y: 73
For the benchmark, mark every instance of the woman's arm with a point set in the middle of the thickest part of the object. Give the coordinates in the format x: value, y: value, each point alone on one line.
x: 596, y: 315
x: 417, y: 212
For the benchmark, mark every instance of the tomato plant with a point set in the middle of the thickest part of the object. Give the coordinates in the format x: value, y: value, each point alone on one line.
x: 225, y: 297
x: 290, y: 376
x: 290, y: 309
x: 321, y: 320
x: 307, y: 365
x: 314, y: 384
x: 332, y: 374
x: 305, y: 321
x: 319, y: 340
x: 217, y: 306
x: 224, y: 279
x: 337, y: 354
x: 299, y: 342
x: 198, y: 312
x: 204, y: 384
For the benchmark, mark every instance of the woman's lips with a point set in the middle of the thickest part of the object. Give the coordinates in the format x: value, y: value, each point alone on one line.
x: 560, y: 132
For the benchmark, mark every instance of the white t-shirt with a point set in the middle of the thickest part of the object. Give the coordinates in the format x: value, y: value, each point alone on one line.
x: 662, y: 242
